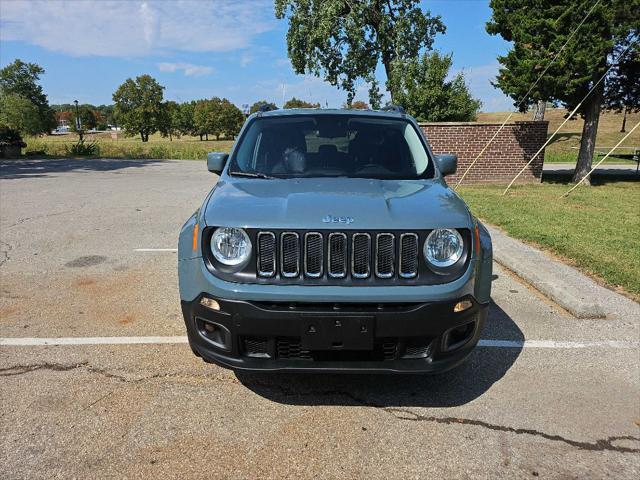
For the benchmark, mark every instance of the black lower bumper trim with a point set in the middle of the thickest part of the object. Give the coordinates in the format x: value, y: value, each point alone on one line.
x: 329, y: 337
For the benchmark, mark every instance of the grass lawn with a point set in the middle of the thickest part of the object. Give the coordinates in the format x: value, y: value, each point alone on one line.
x: 563, y: 147
x: 596, y: 228
x: 183, y: 148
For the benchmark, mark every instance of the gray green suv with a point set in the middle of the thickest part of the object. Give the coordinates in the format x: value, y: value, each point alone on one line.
x: 331, y: 242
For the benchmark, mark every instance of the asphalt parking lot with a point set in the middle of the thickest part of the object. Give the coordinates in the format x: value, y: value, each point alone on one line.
x: 85, y: 251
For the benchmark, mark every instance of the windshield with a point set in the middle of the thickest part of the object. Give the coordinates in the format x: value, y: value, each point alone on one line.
x: 331, y: 146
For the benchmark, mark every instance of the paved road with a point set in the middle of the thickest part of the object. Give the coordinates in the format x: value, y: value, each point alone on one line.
x: 68, y: 234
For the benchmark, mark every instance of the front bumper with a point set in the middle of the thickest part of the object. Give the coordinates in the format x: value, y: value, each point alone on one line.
x: 334, y: 337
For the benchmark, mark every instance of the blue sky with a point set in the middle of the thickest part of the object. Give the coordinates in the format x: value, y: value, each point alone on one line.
x: 199, y: 49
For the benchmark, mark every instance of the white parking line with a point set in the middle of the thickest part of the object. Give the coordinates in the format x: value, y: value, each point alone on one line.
x: 34, y: 341
x: 155, y: 249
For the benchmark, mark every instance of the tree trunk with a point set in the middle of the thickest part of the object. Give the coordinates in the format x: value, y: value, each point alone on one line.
x: 142, y: 136
x: 624, y: 120
x: 541, y: 106
x: 589, y: 132
x: 200, y: 137
x: 170, y: 139
x: 206, y: 136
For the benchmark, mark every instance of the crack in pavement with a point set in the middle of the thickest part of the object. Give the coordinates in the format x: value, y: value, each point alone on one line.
x: 402, y: 414
x: 408, y: 415
x: 597, y: 446
x: 5, y: 253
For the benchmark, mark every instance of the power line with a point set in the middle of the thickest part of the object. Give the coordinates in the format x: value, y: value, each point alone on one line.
x: 527, y: 94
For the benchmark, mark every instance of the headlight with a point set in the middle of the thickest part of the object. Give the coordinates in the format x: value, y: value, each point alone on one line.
x: 230, y: 246
x: 443, y: 247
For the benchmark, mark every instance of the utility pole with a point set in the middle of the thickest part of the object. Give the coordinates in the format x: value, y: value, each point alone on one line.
x: 78, y: 123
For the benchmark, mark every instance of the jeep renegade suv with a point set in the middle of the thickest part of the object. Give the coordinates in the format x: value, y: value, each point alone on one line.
x: 331, y: 242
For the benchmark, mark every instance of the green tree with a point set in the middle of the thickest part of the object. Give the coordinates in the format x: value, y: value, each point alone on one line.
x: 230, y: 118
x: 170, y: 120
x: 624, y: 87
x: 20, y: 79
x: 297, y: 103
x: 88, y: 117
x: 344, y: 40
x: 424, y: 89
x: 206, y: 117
x: 185, y: 123
x: 254, y: 108
x: 139, y: 106
x: 19, y: 113
x: 539, y: 29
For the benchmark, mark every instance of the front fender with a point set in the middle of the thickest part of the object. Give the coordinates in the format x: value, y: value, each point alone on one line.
x: 485, y: 266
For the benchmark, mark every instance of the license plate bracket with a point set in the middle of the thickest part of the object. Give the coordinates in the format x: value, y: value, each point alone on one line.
x: 348, y: 332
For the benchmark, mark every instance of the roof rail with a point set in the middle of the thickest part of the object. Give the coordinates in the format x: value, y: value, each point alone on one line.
x: 393, y: 108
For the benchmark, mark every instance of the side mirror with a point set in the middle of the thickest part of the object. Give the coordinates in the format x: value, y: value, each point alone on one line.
x: 447, y: 163
x: 216, y: 161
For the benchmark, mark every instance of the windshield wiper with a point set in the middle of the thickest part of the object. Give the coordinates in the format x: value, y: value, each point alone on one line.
x: 251, y: 175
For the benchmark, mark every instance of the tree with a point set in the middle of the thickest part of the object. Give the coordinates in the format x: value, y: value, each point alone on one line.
x: 20, y: 79
x: 624, y: 86
x: 424, y: 89
x: 344, y: 40
x: 170, y: 120
x: 206, y: 117
x: 357, y: 105
x: 538, y: 30
x: 88, y: 118
x: 19, y: 113
x: 256, y: 106
x: 230, y: 118
x: 297, y: 103
x: 186, y: 125
x: 139, y: 106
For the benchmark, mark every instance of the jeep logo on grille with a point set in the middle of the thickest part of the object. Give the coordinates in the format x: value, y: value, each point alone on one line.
x: 335, y: 219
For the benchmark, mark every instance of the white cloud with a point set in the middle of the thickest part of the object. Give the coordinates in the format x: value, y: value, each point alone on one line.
x: 135, y: 28
x: 189, y: 68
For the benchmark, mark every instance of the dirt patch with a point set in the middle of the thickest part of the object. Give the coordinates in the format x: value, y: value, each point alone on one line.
x: 6, y: 312
x: 126, y: 319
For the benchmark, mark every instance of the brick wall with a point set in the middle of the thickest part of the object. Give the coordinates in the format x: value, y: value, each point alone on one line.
x: 502, y: 160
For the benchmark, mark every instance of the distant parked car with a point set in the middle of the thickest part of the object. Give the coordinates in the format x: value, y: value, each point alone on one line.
x: 331, y: 242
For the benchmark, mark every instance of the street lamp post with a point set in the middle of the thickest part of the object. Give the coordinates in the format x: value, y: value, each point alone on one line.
x: 78, y: 124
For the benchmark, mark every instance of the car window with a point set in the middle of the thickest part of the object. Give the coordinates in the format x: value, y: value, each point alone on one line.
x: 331, y: 146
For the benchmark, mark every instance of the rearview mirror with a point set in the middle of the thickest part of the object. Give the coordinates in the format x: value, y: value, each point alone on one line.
x: 216, y: 161
x: 447, y: 163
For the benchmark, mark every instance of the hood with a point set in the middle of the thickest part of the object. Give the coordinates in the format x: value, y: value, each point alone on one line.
x: 335, y: 203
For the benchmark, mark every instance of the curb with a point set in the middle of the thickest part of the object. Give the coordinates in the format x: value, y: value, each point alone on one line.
x: 566, y: 286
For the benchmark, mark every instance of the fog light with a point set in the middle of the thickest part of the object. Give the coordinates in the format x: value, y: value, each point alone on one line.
x: 210, y: 303
x: 462, y: 306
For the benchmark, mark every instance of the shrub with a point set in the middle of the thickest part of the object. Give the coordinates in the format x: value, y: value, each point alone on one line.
x: 83, y: 149
x: 10, y: 137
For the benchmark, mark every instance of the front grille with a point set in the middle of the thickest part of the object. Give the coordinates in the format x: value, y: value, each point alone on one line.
x: 408, y: 255
x: 337, y: 255
x: 385, y: 256
x: 266, y: 254
x: 289, y: 254
x: 290, y: 348
x: 361, y: 255
x: 257, y: 347
x: 313, y: 254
